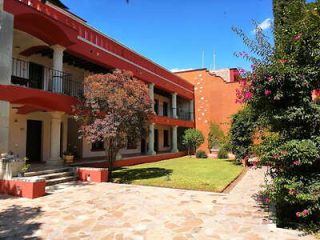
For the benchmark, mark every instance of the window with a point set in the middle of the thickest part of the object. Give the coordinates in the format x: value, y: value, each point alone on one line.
x: 156, y: 106
x: 132, y: 143
x: 165, y: 109
x: 166, y: 138
x: 97, y: 146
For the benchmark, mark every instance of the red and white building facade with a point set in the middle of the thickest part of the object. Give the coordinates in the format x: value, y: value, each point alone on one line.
x: 46, y: 53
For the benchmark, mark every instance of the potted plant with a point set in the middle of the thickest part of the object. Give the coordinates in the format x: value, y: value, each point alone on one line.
x: 69, y: 154
x: 24, y: 168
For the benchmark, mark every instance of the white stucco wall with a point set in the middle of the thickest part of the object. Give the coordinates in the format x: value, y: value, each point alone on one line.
x: 18, y: 132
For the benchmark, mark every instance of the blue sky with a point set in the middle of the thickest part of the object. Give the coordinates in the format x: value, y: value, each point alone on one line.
x: 175, y: 33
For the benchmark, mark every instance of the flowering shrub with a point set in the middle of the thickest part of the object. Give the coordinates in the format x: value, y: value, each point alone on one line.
x: 115, y: 107
x: 281, y: 86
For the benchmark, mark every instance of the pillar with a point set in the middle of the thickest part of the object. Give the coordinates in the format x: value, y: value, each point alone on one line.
x: 6, y: 42
x: 191, y: 110
x: 151, y: 140
x: 57, y: 77
x: 151, y: 90
x: 174, y: 139
x: 174, y: 104
x: 55, y: 138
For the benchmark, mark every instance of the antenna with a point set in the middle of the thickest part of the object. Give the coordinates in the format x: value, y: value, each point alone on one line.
x: 214, y: 59
x: 202, y: 59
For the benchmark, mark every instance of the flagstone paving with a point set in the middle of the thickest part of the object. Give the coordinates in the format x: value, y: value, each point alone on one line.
x: 113, y: 211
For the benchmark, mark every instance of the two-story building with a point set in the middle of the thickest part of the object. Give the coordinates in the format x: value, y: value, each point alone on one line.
x: 46, y: 52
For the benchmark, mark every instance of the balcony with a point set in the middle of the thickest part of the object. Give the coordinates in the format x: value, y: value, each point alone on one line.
x: 32, y: 75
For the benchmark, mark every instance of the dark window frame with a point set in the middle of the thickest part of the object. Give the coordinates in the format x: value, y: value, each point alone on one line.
x: 166, y: 138
x: 97, y: 146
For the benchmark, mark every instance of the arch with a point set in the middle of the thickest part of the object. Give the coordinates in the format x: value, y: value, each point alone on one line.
x: 45, y: 29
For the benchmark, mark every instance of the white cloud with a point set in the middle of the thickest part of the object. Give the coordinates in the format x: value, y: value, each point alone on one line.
x: 180, y: 69
x: 264, y: 25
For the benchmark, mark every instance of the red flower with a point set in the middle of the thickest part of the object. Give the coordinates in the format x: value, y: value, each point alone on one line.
x: 248, y: 95
x: 283, y: 61
x: 305, y: 212
x: 298, y: 37
x: 267, y: 92
x: 298, y: 214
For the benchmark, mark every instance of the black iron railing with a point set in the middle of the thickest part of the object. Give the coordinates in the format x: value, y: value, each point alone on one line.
x: 33, y: 75
x: 179, y: 114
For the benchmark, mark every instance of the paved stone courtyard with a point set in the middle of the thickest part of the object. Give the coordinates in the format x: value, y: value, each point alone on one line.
x: 112, y: 211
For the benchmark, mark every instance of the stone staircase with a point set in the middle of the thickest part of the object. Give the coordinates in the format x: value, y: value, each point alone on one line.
x: 54, y: 176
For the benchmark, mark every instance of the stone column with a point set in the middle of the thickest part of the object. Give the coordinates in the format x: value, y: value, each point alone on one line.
x: 6, y: 42
x: 174, y: 104
x: 151, y: 90
x: 57, y: 77
x: 191, y: 110
x: 55, y: 138
x: 151, y: 140
x: 174, y: 139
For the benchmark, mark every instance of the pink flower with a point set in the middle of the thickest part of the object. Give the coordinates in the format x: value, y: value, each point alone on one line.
x: 298, y: 37
x: 276, y: 156
x: 269, y: 78
x: 296, y: 163
x: 292, y: 191
x: 267, y: 92
x: 241, y: 70
x: 284, y: 152
x: 267, y: 200
x: 305, y: 212
x: 248, y: 95
x: 298, y: 214
x: 283, y: 61
x: 253, y: 66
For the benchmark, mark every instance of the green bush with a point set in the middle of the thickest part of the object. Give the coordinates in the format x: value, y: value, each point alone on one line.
x: 223, y: 153
x: 216, y: 136
x: 278, y: 90
x: 192, y: 139
x: 296, y: 184
x: 201, y: 154
x: 243, y: 126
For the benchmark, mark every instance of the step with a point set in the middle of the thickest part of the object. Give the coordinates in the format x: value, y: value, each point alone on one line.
x: 46, y: 172
x: 55, y: 181
x: 57, y: 175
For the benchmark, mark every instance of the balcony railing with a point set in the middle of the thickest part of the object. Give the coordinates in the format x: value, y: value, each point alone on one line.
x: 36, y: 76
x: 180, y: 114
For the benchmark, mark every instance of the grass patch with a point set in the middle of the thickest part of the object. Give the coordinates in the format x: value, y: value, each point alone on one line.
x: 184, y: 173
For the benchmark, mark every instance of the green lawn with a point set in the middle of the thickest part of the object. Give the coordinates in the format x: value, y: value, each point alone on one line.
x: 185, y: 173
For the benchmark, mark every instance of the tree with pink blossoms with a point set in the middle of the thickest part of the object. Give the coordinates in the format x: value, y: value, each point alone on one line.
x: 114, y: 109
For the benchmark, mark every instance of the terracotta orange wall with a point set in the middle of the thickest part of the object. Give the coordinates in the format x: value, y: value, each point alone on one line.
x: 214, y: 101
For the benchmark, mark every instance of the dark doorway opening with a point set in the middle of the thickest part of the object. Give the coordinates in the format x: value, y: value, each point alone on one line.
x: 156, y: 140
x: 34, y: 141
x: 35, y: 76
x: 143, y: 145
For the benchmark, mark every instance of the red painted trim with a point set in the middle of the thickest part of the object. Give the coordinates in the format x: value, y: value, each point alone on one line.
x: 135, y: 160
x: 37, y: 99
x: 167, y: 121
x: 234, y: 75
x: 95, y: 175
x: 56, y: 27
x: 23, y: 189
